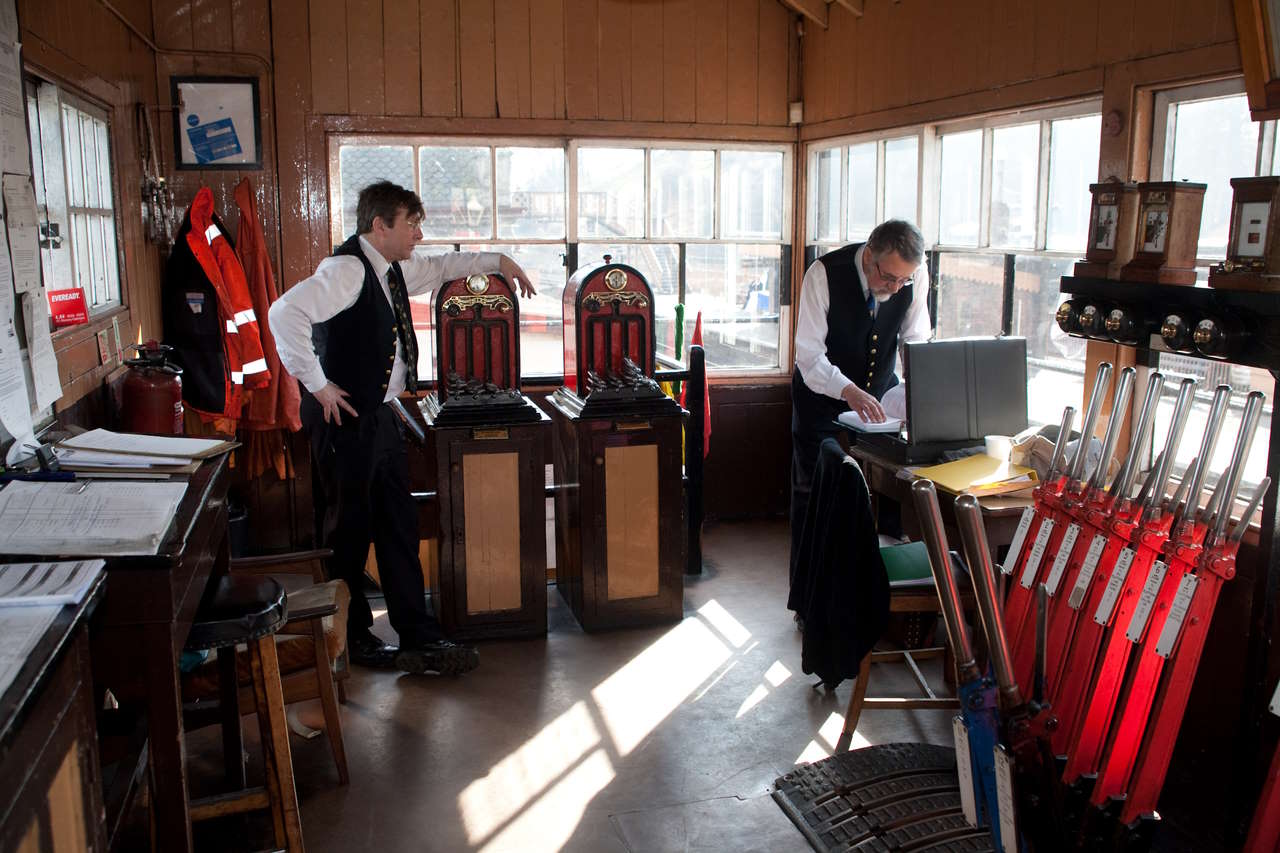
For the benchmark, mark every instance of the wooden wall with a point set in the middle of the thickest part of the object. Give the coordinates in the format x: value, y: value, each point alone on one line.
x: 943, y: 59
x: 91, y: 51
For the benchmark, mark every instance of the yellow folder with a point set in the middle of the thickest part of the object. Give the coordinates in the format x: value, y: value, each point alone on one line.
x: 979, y: 475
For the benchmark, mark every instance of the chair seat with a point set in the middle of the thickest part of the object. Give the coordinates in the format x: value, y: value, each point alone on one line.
x: 239, y: 610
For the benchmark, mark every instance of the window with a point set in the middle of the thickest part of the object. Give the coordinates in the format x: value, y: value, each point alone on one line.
x: 71, y: 157
x: 705, y: 224
x: 1006, y: 213
x: 1204, y: 133
x: 854, y: 186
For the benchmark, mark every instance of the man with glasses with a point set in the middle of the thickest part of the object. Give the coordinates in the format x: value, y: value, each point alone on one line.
x: 347, y: 334
x: 858, y: 306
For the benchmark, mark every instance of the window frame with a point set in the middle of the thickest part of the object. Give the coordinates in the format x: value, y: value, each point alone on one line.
x: 570, y: 146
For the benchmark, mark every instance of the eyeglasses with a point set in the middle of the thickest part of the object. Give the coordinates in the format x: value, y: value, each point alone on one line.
x: 888, y: 279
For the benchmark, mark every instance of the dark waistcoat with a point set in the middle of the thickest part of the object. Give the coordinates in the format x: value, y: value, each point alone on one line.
x: 863, y: 347
x: 357, y: 346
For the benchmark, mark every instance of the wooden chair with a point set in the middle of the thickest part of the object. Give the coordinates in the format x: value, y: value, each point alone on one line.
x: 311, y: 648
x: 249, y: 611
x: 912, y: 590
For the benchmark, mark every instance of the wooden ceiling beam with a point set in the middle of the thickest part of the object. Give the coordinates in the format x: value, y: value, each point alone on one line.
x: 814, y: 10
x: 855, y: 6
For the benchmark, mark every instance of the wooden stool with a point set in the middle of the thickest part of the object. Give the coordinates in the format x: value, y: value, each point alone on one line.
x: 912, y: 590
x: 250, y: 610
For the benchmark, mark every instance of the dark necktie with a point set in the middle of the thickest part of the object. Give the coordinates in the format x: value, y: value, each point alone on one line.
x: 871, y: 305
x: 404, y: 328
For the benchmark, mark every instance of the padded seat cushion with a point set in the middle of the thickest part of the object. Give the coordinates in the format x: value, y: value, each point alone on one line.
x: 294, y: 650
x: 240, y: 609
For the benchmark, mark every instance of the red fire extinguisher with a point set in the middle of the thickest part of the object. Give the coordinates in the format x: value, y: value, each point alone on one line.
x: 152, y: 393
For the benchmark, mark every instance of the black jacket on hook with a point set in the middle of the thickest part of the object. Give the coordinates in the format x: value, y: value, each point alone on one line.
x: 839, y: 586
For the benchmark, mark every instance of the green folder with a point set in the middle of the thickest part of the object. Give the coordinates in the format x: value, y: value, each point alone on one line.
x: 907, y: 565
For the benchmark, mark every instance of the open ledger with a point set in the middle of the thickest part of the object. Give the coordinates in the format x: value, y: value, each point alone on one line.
x: 87, y: 518
x: 32, y: 584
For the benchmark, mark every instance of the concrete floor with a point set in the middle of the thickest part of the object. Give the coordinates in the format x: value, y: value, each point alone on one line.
x: 657, y: 739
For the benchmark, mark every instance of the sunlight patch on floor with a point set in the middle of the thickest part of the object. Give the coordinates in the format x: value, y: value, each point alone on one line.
x: 639, y: 696
x: 731, y: 629
x: 755, y: 698
x: 523, y: 775
x: 776, y: 674
x: 825, y: 744
x: 549, y: 822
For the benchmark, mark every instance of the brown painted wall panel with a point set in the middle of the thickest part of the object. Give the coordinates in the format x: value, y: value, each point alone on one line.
x: 211, y: 24
x: 328, y: 28
x: 476, y: 52
x: 712, y: 51
x: 512, y: 60
x: 814, y: 78
x: 679, y: 61
x: 647, y: 63
x: 251, y: 27
x: 366, y: 54
x: 1081, y: 34
x: 613, y: 58
x: 748, y: 470
x: 1115, y: 31
x: 1051, y: 21
x: 546, y: 30
x: 742, y: 35
x: 173, y: 28
x: 1153, y: 27
x: 293, y: 100
x: 439, y: 50
x: 581, y: 86
x: 402, y: 70
x: 774, y: 66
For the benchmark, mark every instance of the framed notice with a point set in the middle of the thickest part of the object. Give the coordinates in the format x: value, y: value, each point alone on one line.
x: 216, y: 123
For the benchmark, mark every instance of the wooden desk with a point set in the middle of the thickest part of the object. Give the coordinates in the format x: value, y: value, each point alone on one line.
x: 1000, y: 513
x: 142, y: 625
x: 51, y: 798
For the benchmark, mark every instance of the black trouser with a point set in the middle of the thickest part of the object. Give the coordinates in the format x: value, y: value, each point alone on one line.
x: 362, y: 485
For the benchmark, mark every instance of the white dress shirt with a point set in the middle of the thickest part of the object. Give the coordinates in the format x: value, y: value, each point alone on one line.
x: 818, y: 372
x: 336, y: 286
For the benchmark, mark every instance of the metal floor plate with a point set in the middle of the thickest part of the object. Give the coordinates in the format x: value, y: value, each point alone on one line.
x: 881, y: 799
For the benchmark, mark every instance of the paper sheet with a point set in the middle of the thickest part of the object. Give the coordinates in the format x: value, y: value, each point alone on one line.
x: 20, y: 629
x: 33, y: 584
x: 44, y: 364
x: 854, y: 421
x: 15, y: 147
x: 15, y: 404
x: 152, y: 445
x: 23, y: 225
x: 87, y: 518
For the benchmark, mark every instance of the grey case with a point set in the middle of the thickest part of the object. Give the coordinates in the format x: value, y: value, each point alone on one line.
x: 966, y: 388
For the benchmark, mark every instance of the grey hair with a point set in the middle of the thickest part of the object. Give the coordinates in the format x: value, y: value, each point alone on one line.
x: 900, y: 236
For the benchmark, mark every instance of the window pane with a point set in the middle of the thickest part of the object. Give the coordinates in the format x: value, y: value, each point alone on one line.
x: 89, y: 157
x: 96, y: 256
x: 424, y: 320
x: 610, y: 192
x: 541, y: 316
x: 112, y: 260
x: 457, y: 192
x: 1208, y: 375
x: 531, y: 193
x: 970, y: 294
x: 104, y: 164
x: 361, y: 165
x: 659, y: 263
x: 682, y: 193
x: 736, y: 289
x: 901, y: 165
x: 862, y: 190
x: 80, y: 245
x: 824, y: 189
x: 71, y: 150
x: 1055, y: 361
x: 1214, y: 141
x: 1073, y: 165
x: 1015, y: 168
x: 961, y: 191
x: 751, y: 194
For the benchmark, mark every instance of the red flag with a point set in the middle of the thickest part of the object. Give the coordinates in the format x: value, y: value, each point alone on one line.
x: 706, y: 394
